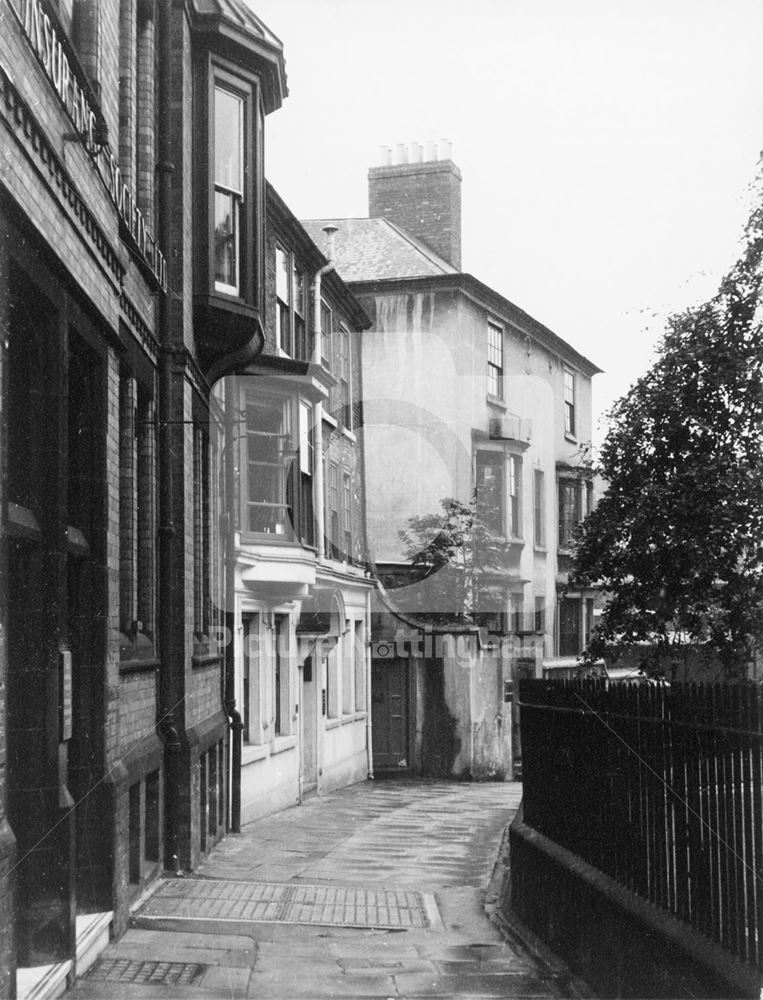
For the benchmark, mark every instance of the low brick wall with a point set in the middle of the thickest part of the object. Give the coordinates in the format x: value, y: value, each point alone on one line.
x: 620, y: 944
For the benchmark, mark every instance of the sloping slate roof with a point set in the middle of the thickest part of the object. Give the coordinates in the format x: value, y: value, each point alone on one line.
x: 370, y: 249
x: 241, y: 15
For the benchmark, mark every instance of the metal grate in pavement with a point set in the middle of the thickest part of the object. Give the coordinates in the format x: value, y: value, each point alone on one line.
x: 126, y: 970
x: 267, y: 902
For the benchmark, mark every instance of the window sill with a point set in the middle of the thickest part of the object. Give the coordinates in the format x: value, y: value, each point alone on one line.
x: 327, y: 418
x: 138, y: 666
x: 570, y: 437
x: 497, y: 402
x: 273, y: 538
x: 205, y: 660
x: 250, y: 752
x: 352, y: 717
x: 228, y: 300
x: 333, y: 723
x: 515, y: 540
x: 350, y: 435
x: 541, y: 549
x: 281, y: 743
x: 228, y: 293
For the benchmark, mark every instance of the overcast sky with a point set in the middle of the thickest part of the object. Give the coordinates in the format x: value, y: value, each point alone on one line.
x: 606, y: 146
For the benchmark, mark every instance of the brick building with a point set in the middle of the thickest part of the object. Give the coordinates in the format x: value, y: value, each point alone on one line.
x: 300, y: 599
x: 132, y: 278
x: 465, y: 395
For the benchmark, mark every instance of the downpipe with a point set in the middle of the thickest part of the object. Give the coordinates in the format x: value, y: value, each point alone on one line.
x: 235, y: 722
x: 167, y: 722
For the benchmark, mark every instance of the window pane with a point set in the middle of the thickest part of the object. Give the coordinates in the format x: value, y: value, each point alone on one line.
x: 569, y: 511
x: 515, y: 487
x: 569, y: 626
x: 360, y: 668
x: 490, y: 491
x: 282, y: 275
x: 283, y: 300
x: 539, y: 508
x: 269, y: 461
x: 347, y: 514
x: 348, y: 672
x: 229, y: 118
x: 251, y: 703
x: 569, y: 401
x: 326, y: 321
x: 540, y: 614
x: 299, y: 291
x: 226, y: 239
x: 495, y: 360
x: 281, y: 676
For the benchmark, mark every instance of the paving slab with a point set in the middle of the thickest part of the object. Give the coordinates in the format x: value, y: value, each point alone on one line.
x: 419, y: 853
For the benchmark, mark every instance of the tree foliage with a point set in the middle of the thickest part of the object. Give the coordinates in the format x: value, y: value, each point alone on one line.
x: 460, y: 563
x: 676, y: 542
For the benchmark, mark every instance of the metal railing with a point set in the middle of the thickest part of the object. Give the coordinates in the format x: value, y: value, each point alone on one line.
x: 660, y: 787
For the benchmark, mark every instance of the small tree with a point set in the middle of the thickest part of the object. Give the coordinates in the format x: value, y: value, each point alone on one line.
x: 676, y: 542
x: 460, y: 563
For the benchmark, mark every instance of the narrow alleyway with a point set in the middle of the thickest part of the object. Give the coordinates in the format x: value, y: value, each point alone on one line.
x: 373, y: 891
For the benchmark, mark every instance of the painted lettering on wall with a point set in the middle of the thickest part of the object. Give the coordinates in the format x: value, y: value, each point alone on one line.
x: 47, y: 46
x: 42, y: 36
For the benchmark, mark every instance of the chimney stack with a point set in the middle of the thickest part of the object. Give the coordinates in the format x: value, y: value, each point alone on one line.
x: 421, y: 194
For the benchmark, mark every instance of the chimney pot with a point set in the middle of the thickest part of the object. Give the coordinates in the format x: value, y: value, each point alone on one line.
x: 446, y: 149
x: 415, y: 152
x: 430, y: 150
x: 385, y: 156
x: 401, y: 153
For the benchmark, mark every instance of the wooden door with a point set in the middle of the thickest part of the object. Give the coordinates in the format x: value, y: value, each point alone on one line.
x: 390, y: 708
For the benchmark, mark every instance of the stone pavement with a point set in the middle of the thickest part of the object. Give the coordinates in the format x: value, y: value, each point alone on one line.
x: 374, y: 891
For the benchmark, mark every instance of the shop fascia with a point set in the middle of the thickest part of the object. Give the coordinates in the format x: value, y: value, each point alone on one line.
x: 43, y: 38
